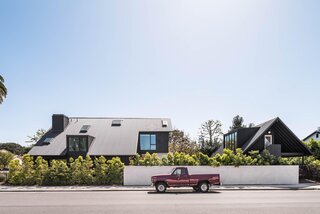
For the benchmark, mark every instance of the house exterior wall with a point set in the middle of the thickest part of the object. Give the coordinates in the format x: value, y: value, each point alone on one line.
x: 315, y: 136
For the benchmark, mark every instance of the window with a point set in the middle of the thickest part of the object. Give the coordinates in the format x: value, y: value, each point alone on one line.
x: 47, y: 140
x: 164, y: 123
x: 116, y: 123
x: 177, y: 172
x: 77, y: 144
x: 231, y: 141
x: 84, y: 129
x: 267, y: 140
x: 317, y: 135
x: 148, y: 142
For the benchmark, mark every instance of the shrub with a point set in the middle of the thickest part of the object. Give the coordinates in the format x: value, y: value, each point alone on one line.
x: 58, y: 173
x: 5, y: 158
x: 28, y: 170
x: 3, y: 177
x: 115, y: 171
x: 100, y: 171
x: 81, y: 171
x: 40, y: 170
x: 13, y: 148
x: 15, y: 176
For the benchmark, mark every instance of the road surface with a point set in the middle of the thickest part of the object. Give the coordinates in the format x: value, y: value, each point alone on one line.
x: 138, y: 202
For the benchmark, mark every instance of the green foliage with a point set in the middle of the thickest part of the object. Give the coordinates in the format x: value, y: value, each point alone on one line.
x: 28, y: 170
x: 5, y: 158
x: 40, y: 170
x: 81, y: 172
x: 228, y: 158
x: 15, y: 175
x: 13, y: 148
x: 100, y: 171
x: 314, y: 146
x: 3, y: 89
x: 179, y: 141
x: 115, y: 171
x: 3, y: 177
x: 210, y: 137
x: 58, y: 173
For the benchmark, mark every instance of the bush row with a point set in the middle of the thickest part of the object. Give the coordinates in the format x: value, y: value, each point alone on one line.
x: 80, y: 171
x: 226, y: 159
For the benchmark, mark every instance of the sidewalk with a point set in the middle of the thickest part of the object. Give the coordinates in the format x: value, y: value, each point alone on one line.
x: 301, y: 186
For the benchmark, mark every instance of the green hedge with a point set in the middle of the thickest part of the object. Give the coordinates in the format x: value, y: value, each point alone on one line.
x: 228, y: 158
x: 81, y: 171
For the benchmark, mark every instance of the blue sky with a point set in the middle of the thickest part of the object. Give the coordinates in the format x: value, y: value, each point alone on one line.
x: 187, y: 60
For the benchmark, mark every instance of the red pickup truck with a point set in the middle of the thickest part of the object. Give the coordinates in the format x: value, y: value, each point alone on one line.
x: 179, y: 177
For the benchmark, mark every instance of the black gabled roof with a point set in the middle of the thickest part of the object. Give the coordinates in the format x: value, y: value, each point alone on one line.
x: 289, y: 141
x: 263, y: 128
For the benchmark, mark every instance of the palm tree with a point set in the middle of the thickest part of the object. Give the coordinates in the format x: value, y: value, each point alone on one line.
x: 3, y: 89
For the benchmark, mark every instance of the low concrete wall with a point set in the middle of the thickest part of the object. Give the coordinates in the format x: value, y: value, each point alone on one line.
x: 229, y: 175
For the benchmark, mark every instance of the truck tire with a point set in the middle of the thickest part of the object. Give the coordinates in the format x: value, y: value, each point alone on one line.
x: 204, y: 186
x: 161, y: 187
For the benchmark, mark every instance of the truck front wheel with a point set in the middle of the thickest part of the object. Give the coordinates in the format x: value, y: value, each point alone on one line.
x: 161, y: 187
x: 204, y: 187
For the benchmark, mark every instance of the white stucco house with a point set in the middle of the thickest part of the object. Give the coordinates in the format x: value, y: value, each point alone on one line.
x: 314, y: 135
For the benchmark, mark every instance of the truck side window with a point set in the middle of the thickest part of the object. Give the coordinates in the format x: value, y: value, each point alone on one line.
x: 177, y: 172
x: 184, y: 171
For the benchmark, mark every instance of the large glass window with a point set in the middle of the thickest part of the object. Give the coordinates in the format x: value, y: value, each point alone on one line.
x: 77, y: 144
x: 231, y: 141
x: 148, y: 142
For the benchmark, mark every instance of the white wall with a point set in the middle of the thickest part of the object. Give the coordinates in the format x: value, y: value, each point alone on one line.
x: 229, y: 175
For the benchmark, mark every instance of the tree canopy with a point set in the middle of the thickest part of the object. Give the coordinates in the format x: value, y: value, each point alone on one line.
x: 179, y: 141
x: 3, y: 90
x: 237, y: 122
x: 210, y: 137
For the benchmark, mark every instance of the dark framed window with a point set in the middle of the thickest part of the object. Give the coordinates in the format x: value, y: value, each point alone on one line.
x: 231, y: 141
x: 317, y: 135
x: 148, y: 142
x: 78, y: 143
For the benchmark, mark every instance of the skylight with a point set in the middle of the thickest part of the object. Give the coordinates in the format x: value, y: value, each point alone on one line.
x: 47, y: 140
x: 164, y: 123
x: 84, y: 129
x: 116, y: 123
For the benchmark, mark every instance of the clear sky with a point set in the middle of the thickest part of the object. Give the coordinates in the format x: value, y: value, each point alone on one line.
x: 187, y: 60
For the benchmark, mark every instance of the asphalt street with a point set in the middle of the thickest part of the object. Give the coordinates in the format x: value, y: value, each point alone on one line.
x: 138, y: 202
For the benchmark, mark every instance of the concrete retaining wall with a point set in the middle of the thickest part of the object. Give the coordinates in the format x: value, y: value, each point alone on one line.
x: 229, y: 175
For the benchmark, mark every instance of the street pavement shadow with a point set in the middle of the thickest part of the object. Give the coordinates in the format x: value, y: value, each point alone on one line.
x: 182, y: 192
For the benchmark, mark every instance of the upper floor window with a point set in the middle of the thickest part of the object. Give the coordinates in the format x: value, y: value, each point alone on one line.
x: 317, y: 135
x: 148, y: 142
x: 78, y: 143
x: 230, y: 141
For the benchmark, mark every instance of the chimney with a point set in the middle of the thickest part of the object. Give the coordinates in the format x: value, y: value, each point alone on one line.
x: 59, y: 122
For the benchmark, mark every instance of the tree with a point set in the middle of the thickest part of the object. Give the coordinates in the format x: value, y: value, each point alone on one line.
x: 36, y: 137
x: 13, y: 148
x: 210, y: 137
x: 237, y: 122
x: 5, y: 158
x: 181, y: 142
x: 3, y: 89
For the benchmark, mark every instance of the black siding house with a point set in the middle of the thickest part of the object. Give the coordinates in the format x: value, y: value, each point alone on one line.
x: 108, y: 137
x: 272, y: 135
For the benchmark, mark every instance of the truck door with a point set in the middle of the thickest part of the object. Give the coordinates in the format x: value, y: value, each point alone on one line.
x: 179, y: 178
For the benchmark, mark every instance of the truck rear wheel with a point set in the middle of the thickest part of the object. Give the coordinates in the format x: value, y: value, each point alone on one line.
x: 204, y: 186
x: 161, y: 187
